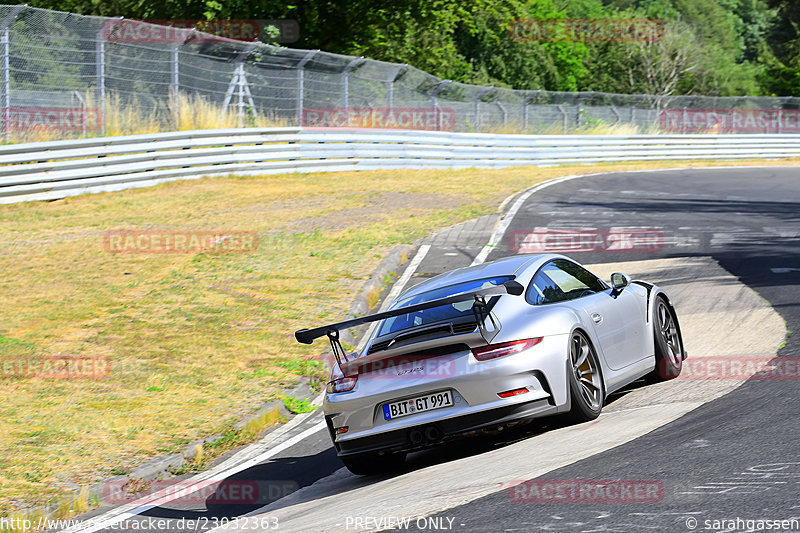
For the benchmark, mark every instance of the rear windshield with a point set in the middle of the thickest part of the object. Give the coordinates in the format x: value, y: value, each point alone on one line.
x: 437, y: 314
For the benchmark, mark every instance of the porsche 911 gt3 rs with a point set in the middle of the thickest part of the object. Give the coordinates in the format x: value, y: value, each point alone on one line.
x: 487, y: 346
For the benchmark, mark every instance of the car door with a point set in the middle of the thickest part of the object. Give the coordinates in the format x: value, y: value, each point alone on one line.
x: 617, y: 326
x: 616, y: 321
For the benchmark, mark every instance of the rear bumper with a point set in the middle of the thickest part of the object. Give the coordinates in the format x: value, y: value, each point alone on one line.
x: 449, y: 429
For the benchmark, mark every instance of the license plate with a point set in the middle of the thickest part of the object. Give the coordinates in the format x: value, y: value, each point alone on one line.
x: 420, y: 404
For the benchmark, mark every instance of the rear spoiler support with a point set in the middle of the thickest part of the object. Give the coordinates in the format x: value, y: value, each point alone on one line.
x: 336, y: 347
x: 480, y: 308
x: 481, y: 311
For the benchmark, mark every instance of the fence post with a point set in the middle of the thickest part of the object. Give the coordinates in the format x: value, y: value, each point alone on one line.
x: 579, y: 119
x: 84, y: 111
x: 6, y: 75
x: 505, y: 114
x: 100, y: 72
x: 525, y: 103
x: 616, y: 114
x: 346, y: 80
x: 390, y: 91
x: 240, y: 92
x: 563, y: 117
x: 435, y: 101
x: 300, y: 78
x: 5, y: 45
x: 480, y: 95
x: 174, y: 86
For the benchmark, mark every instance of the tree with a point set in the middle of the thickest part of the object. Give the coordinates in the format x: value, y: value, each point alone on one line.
x: 783, y: 72
x: 738, y: 46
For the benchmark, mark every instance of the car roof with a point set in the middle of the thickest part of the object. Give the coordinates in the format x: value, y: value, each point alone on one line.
x: 508, y: 266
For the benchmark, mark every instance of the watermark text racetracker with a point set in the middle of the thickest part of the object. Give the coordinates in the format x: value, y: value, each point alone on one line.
x: 52, y: 119
x: 202, y: 492
x: 587, y: 491
x: 179, y: 241
x: 147, y: 523
x: 412, y: 118
x: 65, y: 366
x: 730, y: 120
x: 550, y: 240
x: 180, y: 31
x: 741, y: 368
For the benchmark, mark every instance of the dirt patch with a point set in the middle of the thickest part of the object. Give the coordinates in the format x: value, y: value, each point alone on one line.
x: 374, y: 209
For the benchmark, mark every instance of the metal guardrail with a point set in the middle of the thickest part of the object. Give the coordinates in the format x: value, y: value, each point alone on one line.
x: 53, y: 170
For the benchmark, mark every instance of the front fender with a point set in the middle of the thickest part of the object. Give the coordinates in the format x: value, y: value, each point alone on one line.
x: 654, y: 292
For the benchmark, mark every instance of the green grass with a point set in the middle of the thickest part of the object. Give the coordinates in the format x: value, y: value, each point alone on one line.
x: 297, y: 405
x: 302, y: 367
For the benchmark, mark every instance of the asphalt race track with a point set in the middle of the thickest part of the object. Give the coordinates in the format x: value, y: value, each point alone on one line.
x: 737, y: 456
x: 733, y: 457
x: 748, y: 219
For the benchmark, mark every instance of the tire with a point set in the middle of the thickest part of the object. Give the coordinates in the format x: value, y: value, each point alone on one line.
x: 370, y: 464
x: 587, y: 392
x: 667, y: 342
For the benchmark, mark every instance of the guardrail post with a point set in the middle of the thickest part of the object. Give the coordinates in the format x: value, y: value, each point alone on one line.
x: 346, y: 80
x: 300, y: 78
x: 5, y: 91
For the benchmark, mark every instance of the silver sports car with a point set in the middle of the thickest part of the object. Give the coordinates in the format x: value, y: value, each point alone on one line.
x: 488, y: 346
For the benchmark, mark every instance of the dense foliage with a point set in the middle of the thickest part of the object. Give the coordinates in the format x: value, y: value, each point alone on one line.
x: 715, y: 47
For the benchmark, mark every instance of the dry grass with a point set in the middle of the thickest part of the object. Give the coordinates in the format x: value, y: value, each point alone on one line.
x: 373, y: 296
x: 592, y: 127
x: 196, y: 342
x: 194, y: 112
x: 187, y: 112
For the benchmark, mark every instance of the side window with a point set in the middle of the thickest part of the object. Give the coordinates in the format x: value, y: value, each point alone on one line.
x: 589, y: 280
x: 562, y: 280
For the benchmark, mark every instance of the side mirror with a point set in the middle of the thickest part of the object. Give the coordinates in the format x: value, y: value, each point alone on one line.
x: 618, y: 283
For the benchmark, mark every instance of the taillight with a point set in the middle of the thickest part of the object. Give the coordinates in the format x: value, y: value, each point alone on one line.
x: 493, y: 351
x: 513, y: 392
x: 342, y: 384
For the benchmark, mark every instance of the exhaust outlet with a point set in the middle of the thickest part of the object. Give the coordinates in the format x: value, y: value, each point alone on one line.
x: 432, y: 433
x: 415, y: 436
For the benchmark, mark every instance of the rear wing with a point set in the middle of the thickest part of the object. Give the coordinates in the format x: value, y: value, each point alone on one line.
x: 307, y: 336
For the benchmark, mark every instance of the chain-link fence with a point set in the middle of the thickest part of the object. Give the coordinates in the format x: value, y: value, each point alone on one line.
x: 62, y: 72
